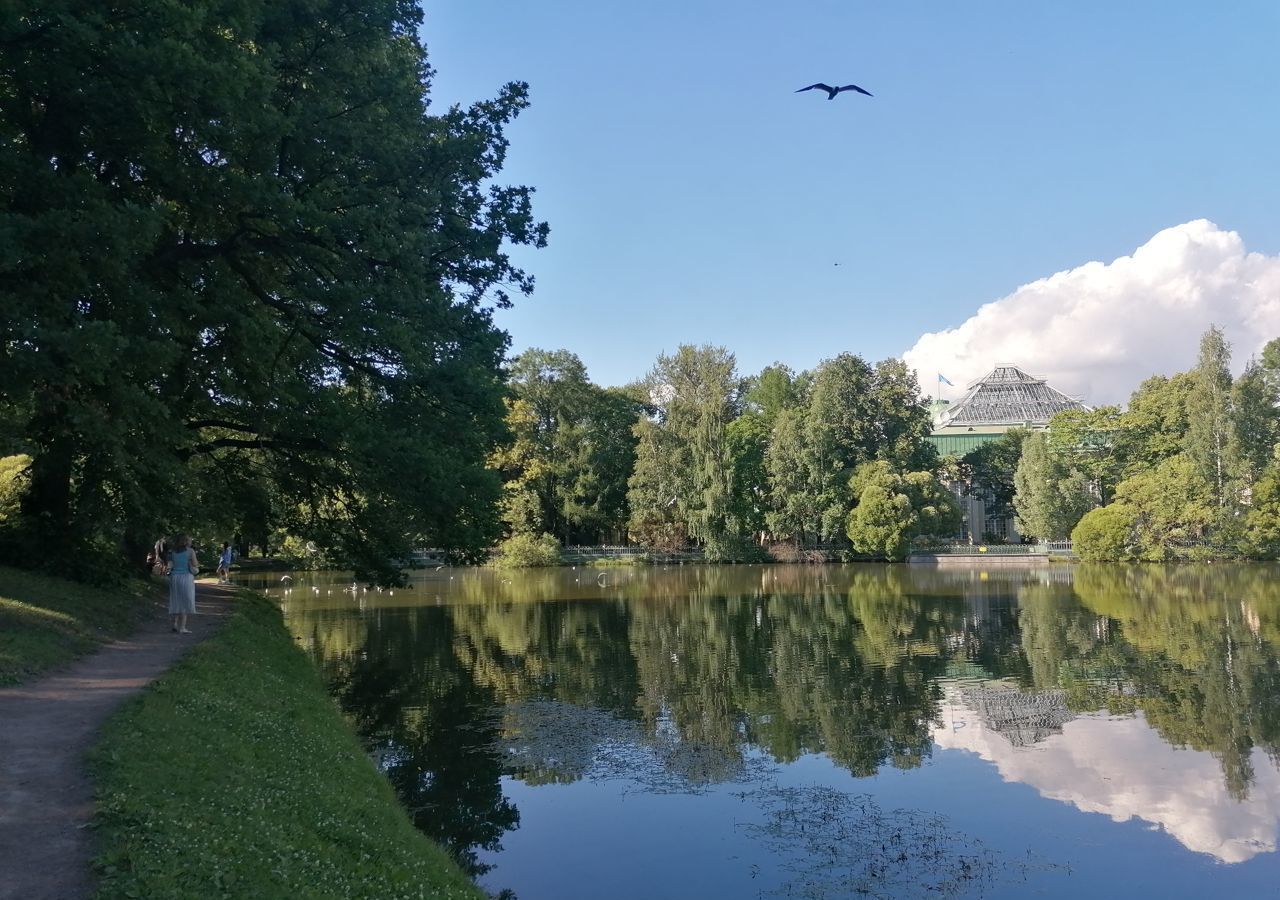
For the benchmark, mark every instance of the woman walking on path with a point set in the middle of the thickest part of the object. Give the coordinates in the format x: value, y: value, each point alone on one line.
x: 183, y: 567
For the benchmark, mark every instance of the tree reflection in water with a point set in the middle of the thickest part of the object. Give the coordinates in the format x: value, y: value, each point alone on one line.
x: 433, y: 730
x: 718, y: 662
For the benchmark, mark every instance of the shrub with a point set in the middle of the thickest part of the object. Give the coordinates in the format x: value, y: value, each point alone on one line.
x: 527, y: 550
x: 893, y: 509
x: 1105, y: 534
x: 12, y: 483
x: 300, y: 554
x: 785, y: 552
x: 882, y: 522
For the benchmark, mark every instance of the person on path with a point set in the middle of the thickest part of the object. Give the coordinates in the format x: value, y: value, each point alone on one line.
x: 224, y: 564
x: 183, y: 566
x: 158, y: 557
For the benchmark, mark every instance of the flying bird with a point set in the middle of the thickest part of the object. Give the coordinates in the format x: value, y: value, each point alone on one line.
x: 832, y: 91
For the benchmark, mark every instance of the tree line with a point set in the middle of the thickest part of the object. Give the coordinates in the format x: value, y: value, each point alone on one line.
x: 836, y: 458
x: 1190, y: 469
x: 695, y: 454
x: 247, y: 287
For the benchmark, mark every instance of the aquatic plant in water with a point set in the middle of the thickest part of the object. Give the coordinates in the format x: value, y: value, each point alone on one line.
x: 836, y: 844
x: 547, y: 740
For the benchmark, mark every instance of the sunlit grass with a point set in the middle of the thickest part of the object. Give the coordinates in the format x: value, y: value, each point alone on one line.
x: 620, y: 562
x: 236, y: 775
x: 45, y: 622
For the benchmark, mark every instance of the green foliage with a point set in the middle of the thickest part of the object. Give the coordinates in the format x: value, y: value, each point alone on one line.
x: 1269, y: 362
x: 1255, y: 424
x: 1050, y: 498
x: 1174, y: 507
x: 1088, y: 441
x: 243, y: 716
x: 298, y: 553
x: 938, y: 514
x: 696, y: 394
x: 1105, y: 533
x: 524, y: 467
x: 602, y: 457
x: 1261, y: 538
x: 901, y: 419
x: 1169, y: 511
x: 852, y: 413
x: 654, y: 491
x: 46, y: 622
x: 893, y: 509
x: 792, y: 511
x: 13, y: 471
x: 839, y: 436
x: 573, y: 448
x: 775, y: 389
x: 991, y: 468
x: 1209, y: 430
x: 527, y: 551
x: 1195, y: 450
x: 719, y: 464
x: 883, y: 522
x: 265, y: 262
x: 1156, y: 423
x: 748, y: 440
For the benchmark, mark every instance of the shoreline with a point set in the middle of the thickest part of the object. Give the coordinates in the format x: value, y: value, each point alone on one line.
x: 215, y: 764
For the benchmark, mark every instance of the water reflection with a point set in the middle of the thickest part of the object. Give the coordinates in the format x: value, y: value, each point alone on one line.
x: 1122, y: 769
x: 429, y: 725
x: 1141, y: 692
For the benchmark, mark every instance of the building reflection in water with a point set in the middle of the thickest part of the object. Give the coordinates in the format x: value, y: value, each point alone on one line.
x: 1135, y: 692
x: 1116, y: 766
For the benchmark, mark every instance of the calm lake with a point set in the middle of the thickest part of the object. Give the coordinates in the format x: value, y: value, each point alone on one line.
x: 824, y: 732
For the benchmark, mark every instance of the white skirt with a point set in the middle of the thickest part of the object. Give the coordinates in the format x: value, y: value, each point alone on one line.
x: 182, y: 593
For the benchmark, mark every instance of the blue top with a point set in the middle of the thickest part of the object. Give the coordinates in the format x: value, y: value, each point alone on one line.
x: 226, y: 557
x: 180, y: 562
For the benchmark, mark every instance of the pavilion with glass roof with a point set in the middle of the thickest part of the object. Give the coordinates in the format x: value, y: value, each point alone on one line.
x: 1004, y: 399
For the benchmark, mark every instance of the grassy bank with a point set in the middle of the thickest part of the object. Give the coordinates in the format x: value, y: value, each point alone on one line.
x: 45, y: 622
x: 236, y: 776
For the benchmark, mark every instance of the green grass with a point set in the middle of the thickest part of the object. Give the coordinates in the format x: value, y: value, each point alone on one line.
x: 45, y: 622
x: 235, y: 775
x: 619, y: 562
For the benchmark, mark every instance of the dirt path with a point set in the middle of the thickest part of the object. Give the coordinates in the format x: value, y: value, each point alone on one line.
x: 46, y: 799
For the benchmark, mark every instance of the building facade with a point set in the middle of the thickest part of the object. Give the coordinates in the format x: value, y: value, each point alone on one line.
x: 1004, y: 399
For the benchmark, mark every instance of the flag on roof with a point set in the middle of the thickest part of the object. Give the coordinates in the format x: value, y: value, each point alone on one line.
x: 944, y: 379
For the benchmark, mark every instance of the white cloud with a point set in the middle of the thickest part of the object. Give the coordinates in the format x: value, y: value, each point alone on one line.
x: 1122, y: 768
x: 1096, y: 331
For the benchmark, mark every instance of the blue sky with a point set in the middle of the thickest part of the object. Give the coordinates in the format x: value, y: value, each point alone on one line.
x: 694, y: 198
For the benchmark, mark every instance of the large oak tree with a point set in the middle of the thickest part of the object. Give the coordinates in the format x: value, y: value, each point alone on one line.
x: 237, y: 248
